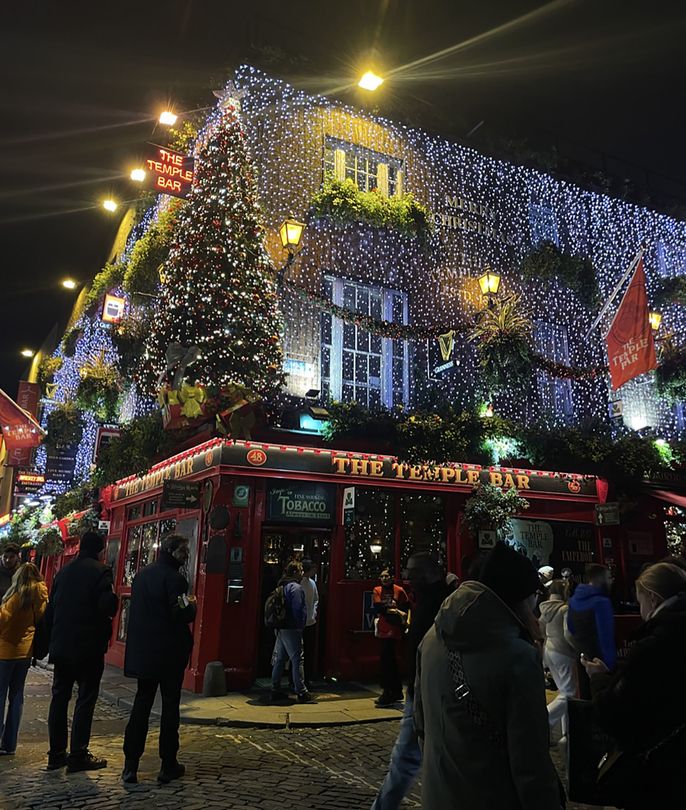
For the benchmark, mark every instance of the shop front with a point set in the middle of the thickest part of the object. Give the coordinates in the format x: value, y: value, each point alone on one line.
x: 260, y: 505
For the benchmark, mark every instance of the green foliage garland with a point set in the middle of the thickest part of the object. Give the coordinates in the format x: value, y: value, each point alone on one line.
x: 547, y: 262
x: 111, y: 276
x: 74, y: 500
x: 47, y: 368
x: 670, y: 375
x: 64, y: 426
x: 491, y: 507
x: 342, y: 201
x: 99, y: 389
x: 142, y: 274
x: 503, y: 343
x: 671, y: 291
x: 49, y: 542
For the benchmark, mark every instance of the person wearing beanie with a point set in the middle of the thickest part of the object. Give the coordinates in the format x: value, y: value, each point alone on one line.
x: 480, y: 706
x: 79, y: 621
x: 9, y: 565
x: 158, y: 646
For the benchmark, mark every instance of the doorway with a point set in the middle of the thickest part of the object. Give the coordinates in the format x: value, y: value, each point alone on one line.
x: 280, y: 545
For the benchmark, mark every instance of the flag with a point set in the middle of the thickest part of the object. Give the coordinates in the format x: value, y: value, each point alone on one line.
x: 630, y: 344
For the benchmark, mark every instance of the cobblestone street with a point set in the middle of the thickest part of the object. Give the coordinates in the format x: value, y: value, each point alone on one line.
x: 265, y: 769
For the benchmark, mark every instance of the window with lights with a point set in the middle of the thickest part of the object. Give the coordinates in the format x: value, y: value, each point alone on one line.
x: 555, y: 394
x: 369, y: 170
x: 543, y: 225
x: 357, y: 366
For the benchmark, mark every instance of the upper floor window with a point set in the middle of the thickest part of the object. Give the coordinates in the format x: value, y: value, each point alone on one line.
x: 543, y: 224
x: 551, y: 341
x: 369, y: 170
x: 357, y: 366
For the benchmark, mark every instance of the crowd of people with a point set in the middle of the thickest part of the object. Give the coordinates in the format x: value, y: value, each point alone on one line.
x: 476, y: 722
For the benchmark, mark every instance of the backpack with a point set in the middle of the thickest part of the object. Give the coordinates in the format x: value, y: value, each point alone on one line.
x: 275, y: 609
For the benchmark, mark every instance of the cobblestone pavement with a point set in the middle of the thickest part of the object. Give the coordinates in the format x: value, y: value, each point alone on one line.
x: 258, y: 769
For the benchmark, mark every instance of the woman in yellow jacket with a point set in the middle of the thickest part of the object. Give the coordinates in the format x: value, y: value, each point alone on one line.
x: 22, y: 606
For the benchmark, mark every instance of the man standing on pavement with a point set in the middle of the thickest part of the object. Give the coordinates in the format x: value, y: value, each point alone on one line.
x: 289, y: 637
x: 158, y: 646
x: 591, y: 622
x: 9, y: 562
x: 79, y: 620
x: 430, y: 588
x: 309, y: 586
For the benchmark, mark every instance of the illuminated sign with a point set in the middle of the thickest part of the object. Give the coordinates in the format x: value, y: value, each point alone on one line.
x: 31, y: 478
x: 27, y: 482
x: 113, y: 308
x: 167, y: 171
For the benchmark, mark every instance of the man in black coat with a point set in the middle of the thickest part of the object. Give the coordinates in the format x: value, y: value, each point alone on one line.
x: 158, y: 646
x: 79, y: 620
x: 430, y: 589
x: 9, y: 563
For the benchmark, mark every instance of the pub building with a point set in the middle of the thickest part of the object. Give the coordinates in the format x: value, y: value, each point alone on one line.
x: 283, y: 495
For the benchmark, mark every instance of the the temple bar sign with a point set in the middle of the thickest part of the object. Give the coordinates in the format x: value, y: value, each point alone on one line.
x: 168, y: 171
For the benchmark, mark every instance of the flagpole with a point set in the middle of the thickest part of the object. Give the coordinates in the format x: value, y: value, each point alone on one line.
x: 637, y: 258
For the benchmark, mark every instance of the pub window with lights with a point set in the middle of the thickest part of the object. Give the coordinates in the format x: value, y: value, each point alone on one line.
x: 368, y: 169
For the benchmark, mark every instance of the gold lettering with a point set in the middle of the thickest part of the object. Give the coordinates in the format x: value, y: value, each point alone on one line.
x: 358, y: 466
x: 415, y: 472
x: 496, y: 479
x: 447, y: 474
x: 376, y: 468
x: 340, y: 463
x: 399, y: 469
x: 523, y: 482
x: 473, y: 476
x: 509, y: 480
x: 460, y: 476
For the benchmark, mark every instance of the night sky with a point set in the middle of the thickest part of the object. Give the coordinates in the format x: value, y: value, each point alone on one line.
x: 82, y: 84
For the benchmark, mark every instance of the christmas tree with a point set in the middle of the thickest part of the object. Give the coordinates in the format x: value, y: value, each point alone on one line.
x: 218, y: 291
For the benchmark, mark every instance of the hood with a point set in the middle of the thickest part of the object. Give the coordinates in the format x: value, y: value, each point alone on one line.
x: 585, y: 595
x: 550, y: 608
x: 474, y: 617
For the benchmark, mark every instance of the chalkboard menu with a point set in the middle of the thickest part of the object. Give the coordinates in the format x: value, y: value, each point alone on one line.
x: 560, y: 543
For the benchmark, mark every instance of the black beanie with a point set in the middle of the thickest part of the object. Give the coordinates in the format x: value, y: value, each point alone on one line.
x: 91, y: 544
x: 509, y: 574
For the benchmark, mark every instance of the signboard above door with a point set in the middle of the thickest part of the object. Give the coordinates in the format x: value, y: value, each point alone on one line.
x: 305, y: 503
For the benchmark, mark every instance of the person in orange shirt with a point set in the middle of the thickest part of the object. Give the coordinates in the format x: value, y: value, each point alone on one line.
x: 391, y: 606
x: 22, y: 606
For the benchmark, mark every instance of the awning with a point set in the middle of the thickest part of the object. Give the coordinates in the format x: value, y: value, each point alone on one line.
x: 19, y: 428
x: 670, y: 497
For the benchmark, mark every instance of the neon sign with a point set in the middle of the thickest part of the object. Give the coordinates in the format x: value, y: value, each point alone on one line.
x: 168, y: 171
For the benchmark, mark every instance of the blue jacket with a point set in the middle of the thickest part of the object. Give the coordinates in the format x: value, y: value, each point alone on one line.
x: 591, y: 622
x: 296, y: 605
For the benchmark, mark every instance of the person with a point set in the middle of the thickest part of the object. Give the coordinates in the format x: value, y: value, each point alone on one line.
x: 309, y: 586
x: 452, y: 581
x: 9, y: 563
x: 430, y: 589
x: 22, y: 606
x: 546, y: 574
x: 634, y: 706
x: 79, y: 621
x: 390, y: 604
x: 558, y: 655
x: 158, y: 646
x: 591, y: 622
x: 289, y: 639
x: 480, y: 707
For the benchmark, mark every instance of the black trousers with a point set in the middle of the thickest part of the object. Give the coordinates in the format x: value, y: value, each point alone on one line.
x: 87, y: 675
x: 137, y: 727
x: 310, y: 652
x: 390, y: 674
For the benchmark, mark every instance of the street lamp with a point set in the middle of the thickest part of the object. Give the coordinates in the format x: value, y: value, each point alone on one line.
x: 109, y: 205
x: 137, y: 175
x: 69, y: 284
x: 489, y: 282
x: 27, y: 352
x: 168, y: 118
x: 655, y: 319
x: 370, y: 81
x: 291, y: 232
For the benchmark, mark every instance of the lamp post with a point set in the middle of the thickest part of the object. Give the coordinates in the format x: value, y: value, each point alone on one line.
x: 489, y: 283
x: 290, y: 232
x: 655, y: 319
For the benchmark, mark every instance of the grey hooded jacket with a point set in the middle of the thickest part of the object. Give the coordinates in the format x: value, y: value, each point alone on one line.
x: 462, y: 767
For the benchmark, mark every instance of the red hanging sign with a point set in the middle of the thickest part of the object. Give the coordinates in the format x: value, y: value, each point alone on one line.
x: 168, y: 171
x: 630, y: 343
x: 17, y: 422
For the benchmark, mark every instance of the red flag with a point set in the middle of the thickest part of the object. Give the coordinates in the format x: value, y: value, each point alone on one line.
x: 630, y: 344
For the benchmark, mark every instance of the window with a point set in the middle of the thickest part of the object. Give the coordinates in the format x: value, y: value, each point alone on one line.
x: 112, y: 554
x: 369, y: 541
x: 141, y: 550
x: 422, y: 527
x: 124, y: 618
x: 369, y: 170
x: 357, y: 366
x: 543, y: 224
x: 550, y: 340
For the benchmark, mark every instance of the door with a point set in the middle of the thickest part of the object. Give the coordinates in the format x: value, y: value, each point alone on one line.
x: 280, y: 545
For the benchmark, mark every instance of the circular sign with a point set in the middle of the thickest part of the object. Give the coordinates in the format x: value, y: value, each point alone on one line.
x: 209, y: 458
x: 574, y: 486
x: 256, y: 457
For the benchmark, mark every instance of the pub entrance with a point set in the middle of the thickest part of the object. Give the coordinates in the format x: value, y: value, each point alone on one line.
x: 280, y: 545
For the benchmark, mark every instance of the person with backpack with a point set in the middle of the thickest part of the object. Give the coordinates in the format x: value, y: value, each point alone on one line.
x: 286, y: 613
x: 21, y: 608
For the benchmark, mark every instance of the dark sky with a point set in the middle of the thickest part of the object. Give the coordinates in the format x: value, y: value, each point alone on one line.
x: 80, y: 82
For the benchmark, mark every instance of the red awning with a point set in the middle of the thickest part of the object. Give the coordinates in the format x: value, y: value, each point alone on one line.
x: 670, y: 497
x: 19, y: 428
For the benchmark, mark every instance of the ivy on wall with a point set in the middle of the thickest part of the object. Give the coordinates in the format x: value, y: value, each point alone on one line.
x: 546, y: 262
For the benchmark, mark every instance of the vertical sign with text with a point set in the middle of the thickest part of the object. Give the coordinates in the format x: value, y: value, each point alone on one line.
x: 28, y: 397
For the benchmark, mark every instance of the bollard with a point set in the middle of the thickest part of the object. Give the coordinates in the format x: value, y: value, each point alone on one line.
x: 214, y: 682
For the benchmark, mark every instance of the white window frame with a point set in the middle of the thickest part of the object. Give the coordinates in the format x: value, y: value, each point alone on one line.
x: 336, y: 356
x: 342, y: 148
